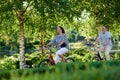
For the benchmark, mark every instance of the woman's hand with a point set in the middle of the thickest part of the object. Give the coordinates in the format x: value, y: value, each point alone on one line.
x: 48, y: 44
x: 58, y: 45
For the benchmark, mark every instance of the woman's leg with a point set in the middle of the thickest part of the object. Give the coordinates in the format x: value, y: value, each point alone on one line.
x: 57, y: 57
x: 59, y: 54
x: 62, y: 57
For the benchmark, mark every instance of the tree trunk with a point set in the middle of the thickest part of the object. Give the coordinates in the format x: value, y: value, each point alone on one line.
x: 42, y: 43
x: 42, y: 33
x: 22, y: 47
x: 98, y: 24
x: 97, y: 18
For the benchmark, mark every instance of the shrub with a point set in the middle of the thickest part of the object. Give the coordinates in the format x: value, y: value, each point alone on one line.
x: 68, y: 71
x: 90, y: 74
x: 12, y: 62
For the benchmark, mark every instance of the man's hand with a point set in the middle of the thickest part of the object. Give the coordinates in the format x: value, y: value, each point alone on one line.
x: 105, y: 44
x: 94, y: 43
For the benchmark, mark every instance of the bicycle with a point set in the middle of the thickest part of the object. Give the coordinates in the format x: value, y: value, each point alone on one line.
x: 96, y: 56
x: 50, y: 61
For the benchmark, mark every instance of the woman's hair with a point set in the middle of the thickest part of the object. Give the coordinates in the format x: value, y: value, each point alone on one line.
x: 63, y: 31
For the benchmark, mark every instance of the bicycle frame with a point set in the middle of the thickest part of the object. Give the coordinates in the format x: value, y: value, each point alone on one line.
x: 97, y: 52
x: 51, y: 59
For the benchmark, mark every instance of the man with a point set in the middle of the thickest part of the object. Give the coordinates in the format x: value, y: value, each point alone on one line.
x: 106, y: 42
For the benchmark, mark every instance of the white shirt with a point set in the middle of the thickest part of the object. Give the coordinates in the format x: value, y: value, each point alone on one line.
x: 104, y: 36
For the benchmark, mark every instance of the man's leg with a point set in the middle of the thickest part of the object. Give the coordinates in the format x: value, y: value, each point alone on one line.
x: 107, y: 52
x: 100, y: 51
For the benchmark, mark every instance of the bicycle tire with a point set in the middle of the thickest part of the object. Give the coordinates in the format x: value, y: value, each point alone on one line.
x: 44, y: 62
x: 95, y: 58
x: 69, y: 59
x: 112, y: 56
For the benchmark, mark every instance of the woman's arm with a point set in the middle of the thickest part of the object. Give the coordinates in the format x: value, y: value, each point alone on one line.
x: 60, y: 43
x: 52, y: 42
x: 63, y: 41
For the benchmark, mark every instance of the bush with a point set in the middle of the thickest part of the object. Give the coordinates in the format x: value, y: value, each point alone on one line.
x: 95, y: 71
x: 12, y: 62
x: 82, y: 54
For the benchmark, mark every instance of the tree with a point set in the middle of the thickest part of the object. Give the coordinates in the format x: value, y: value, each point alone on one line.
x: 105, y: 12
x: 44, y: 8
x: 51, y: 11
x: 41, y: 15
x: 13, y: 6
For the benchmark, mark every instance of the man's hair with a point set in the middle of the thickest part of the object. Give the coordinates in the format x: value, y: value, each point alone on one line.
x: 104, y: 27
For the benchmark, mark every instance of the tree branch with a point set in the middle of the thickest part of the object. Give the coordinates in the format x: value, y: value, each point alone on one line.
x: 27, y: 7
x: 16, y: 12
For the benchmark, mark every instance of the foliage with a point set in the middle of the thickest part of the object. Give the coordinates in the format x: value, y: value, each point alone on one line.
x: 79, y: 55
x: 82, y: 55
x: 77, y: 70
x: 44, y: 15
x: 12, y: 62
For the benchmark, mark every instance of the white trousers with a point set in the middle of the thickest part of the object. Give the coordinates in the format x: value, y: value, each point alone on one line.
x: 107, y: 51
x: 60, y: 52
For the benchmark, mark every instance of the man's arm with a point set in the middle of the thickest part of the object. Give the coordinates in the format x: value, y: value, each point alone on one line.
x: 106, y: 42
x: 97, y: 40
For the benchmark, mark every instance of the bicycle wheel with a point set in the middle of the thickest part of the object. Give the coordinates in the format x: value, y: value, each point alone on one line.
x: 112, y: 56
x: 95, y: 58
x: 44, y: 62
x: 69, y: 59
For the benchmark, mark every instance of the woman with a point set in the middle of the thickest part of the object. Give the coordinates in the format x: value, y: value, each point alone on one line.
x: 61, y: 43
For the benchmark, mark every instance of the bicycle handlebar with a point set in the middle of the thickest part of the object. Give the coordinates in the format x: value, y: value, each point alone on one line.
x: 48, y: 48
x: 90, y: 44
